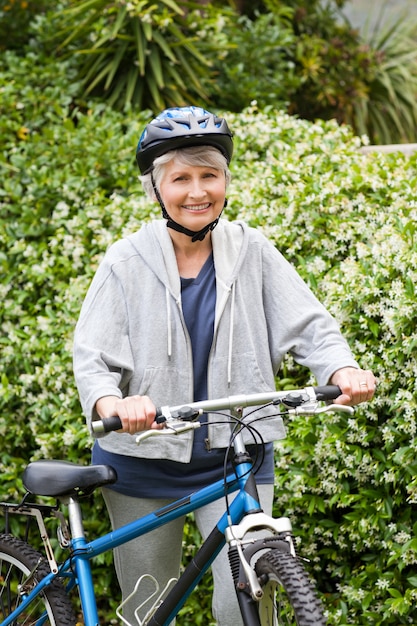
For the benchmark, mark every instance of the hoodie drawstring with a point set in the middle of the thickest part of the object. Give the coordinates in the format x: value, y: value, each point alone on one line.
x: 229, y: 357
x: 169, y: 340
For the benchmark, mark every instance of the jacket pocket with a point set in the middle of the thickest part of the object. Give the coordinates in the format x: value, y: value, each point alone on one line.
x: 165, y: 385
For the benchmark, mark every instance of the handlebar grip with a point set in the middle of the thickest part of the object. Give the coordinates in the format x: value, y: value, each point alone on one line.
x: 327, y: 392
x: 106, y: 425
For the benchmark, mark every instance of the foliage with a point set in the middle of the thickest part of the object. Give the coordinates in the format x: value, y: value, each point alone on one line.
x: 390, y: 111
x: 304, y: 57
x: 366, y: 80
x: 16, y: 17
x: 333, y: 65
x: 137, y: 53
x: 346, y: 220
x: 300, y: 55
x: 52, y: 227
x: 252, y: 59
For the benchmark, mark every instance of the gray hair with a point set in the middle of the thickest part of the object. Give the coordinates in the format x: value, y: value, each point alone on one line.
x: 202, y: 156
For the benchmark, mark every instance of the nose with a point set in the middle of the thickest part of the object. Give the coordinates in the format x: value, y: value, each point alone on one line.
x: 196, y: 189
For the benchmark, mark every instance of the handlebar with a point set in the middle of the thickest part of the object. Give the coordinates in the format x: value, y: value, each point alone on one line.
x: 296, y: 401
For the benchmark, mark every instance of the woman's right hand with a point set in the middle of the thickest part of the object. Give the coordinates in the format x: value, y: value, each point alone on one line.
x: 137, y: 413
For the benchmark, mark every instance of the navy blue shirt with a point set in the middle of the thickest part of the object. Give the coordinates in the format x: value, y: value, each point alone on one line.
x: 160, y: 478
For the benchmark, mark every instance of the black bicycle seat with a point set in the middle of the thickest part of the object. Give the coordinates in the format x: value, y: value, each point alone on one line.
x: 62, y: 478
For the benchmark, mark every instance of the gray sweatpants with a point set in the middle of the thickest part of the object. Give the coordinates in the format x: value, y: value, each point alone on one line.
x: 158, y: 553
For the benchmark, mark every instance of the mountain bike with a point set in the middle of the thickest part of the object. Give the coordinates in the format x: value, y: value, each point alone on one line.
x: 270, y: 578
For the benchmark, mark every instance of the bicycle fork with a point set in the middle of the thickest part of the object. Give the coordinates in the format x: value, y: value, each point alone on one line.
x: 245, y: 543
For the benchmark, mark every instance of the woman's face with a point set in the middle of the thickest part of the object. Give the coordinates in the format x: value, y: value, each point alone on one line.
x: 193, y: 195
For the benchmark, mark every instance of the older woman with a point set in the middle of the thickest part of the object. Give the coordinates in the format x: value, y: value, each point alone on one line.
x: 189, y: 307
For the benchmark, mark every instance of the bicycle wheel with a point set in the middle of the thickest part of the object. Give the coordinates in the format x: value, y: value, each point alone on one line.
x: 289, y: 597
x: 17, y: 561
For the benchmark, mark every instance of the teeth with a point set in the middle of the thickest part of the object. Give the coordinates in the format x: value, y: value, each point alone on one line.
x: 197, y: 207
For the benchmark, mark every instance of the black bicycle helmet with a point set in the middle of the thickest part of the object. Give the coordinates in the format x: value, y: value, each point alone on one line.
x: 182, y: 127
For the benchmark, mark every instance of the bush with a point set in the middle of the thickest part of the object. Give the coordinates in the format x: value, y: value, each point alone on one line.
x: 138, y: 54
x: 16, y: 19
x: 347, y: 221
x: 389, y: 113
x: 253, y: 58
x: 54, y: 228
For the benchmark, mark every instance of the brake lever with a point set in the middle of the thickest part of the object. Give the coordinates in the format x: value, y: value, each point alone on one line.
x: 316, y: 410
x: 171, y: 427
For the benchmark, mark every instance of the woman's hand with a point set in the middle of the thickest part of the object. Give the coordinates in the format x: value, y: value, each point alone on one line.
x: 136, y: 413
x: 356, y: 385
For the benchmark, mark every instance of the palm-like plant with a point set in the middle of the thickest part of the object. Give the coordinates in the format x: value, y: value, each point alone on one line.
x: 136, y: 53
x: 389, y: 112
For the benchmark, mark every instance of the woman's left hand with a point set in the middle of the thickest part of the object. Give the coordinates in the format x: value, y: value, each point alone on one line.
x: 356, y: 385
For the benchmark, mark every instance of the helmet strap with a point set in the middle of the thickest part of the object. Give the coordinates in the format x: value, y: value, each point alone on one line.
x: 196, y: 235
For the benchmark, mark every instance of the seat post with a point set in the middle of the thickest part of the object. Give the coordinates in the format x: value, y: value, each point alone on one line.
x: 75, y: 517
x: 81, y: 562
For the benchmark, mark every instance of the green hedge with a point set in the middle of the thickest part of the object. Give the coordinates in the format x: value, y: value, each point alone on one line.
x: 347, y: 221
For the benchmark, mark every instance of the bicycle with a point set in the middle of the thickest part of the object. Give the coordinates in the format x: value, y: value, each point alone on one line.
x: 270, y: 579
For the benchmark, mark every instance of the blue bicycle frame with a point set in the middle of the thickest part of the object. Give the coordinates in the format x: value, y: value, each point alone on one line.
x: 230, y: 527
x: 77, y: 567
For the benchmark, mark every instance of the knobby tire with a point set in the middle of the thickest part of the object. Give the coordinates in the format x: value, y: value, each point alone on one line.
x: 17, y: 560
x: 289, y: 595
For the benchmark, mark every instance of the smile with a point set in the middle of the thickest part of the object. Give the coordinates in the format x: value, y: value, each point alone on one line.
x: 196, y: 207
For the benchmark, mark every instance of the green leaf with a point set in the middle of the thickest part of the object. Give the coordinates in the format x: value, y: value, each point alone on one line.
x: 119, y: 22
x: 155, y: 63
x: 140, y: 45
x: 115, y: 65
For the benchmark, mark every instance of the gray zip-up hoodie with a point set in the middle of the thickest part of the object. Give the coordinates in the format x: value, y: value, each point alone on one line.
x: 131, y: 337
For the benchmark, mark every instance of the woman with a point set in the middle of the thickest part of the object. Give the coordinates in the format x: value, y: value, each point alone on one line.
x: 189, y: 307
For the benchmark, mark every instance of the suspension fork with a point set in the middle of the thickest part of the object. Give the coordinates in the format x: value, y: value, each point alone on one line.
x: 241, y: 550
x: 247, y: 585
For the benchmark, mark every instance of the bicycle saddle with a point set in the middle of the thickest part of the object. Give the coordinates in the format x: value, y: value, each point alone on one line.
x: 59, y: 478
